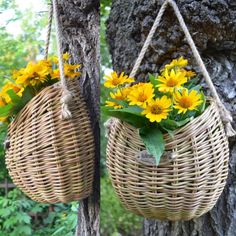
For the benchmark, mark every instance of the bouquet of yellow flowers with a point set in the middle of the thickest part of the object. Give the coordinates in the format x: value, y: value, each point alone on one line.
x: 167, y: 102
x: 28, y: 82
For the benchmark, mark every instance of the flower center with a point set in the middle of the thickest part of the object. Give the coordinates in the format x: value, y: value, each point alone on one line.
x: 36, y: 75
x: 115, y: 81
x: 155, y: 109
x: 185, y: 102
x: 119, y: 97
x: 1, y: 103
x: 142, y: 97
x: 172, y: 83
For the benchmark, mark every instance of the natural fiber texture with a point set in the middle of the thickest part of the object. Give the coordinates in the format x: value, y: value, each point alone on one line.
x: 224, y: 113
x: 49, y: 159
x: 49, y: 29
x: 182, y: 189
x: 66, y: 94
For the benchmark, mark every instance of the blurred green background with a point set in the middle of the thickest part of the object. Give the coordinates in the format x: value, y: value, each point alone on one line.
x: 115, y: 219
x: 22, y: 33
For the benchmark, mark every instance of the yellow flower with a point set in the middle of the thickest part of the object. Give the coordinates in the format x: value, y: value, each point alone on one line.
x: 54, y: 59
x: 34, y: 74
x: 180, y: 62
x: 69, y: 70
x: 55, y: 74
x: 157, y: 109
x: 140, y: 94
x: 113, y: 104
x: 120, y: 94
x: 7, y: 87
x: 114, y: 80
x: 171, y: 80
x: 17, y: 73
x: 66, y: 56
x: 2, y: 103
x: 189, y: 73
x: 185, y: 100
x: 3, y: 119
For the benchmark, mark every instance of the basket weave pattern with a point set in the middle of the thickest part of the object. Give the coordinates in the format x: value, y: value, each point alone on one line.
x: 182, y: 189
x: 49, y: 159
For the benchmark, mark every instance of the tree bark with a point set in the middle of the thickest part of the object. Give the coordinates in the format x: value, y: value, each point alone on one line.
x: 213, y: 27
x: 80, y: 29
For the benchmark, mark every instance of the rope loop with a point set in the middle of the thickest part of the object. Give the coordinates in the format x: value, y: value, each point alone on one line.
x: 66, y: 94
x: 224, y: 113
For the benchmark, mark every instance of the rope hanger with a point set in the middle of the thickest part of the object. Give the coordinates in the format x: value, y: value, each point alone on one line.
x: 224, y: 113
x: 66, y: 94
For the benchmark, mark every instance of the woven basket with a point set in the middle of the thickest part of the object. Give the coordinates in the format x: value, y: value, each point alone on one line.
x: 182, y: 189
x: 49, y: 159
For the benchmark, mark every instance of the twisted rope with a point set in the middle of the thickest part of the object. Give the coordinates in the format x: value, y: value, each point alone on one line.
x: 66, y: 94
x: 224, y: 113
x: 148, y: 40
x: 49, y: 29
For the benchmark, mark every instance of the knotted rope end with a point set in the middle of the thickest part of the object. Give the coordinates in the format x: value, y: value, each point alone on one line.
x: 227, y: 119
x: 65, y: 101
x: 229, y: 130
x: 108, y: 124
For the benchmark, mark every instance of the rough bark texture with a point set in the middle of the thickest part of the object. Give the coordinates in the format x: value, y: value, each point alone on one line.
x: 213, y: 27
x: 80, y: 26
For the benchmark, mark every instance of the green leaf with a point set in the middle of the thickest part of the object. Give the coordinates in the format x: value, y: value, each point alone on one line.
x: 120, y: 102
x: 13, y: 96
x: 192, y: 83
x: 24, y: 217
x: 202, y: 107
x: 135, y: 110
x: 153, y: 79
x: 5, y: 212
x: 196, y: 87
x: 129, y: 115
x: 153, y: 140
x: 58, y: 231
x: 6, y: 110
x: 172, y: 124
x: 26, y: 97
x: 169, y: 131
x: 23, y: 230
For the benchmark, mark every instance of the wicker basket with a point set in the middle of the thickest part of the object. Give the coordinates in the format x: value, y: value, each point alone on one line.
x: 49, y: 159
x: 182, y: 189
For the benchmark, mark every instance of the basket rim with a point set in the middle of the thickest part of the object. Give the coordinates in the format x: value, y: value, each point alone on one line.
x: 212, y: 106
x: 43, y: 91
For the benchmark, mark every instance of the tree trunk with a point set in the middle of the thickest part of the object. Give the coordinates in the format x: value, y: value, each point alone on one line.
x: 213, y: 27
x: 80, y: 29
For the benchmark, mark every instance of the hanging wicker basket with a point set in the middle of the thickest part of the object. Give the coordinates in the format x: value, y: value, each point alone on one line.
x: 182, y: 189
x: 51, y: 144
x: 49, y: 159
x: 189, y: 184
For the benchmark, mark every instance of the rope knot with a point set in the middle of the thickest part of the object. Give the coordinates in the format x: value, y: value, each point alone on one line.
x: 108, y: 125
x: 65, y: 101
x: 227, y: 119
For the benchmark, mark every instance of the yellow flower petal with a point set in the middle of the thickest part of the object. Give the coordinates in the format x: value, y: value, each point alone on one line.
x: 158, y: 109
x: 171, y: 80
x: 113, y: 104
x: 187, y: 101
x: 140, y: 94
x: 180, y: 62
x: 113, y: 80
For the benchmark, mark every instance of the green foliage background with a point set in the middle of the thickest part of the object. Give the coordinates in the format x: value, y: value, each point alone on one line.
x: 115, y: 219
